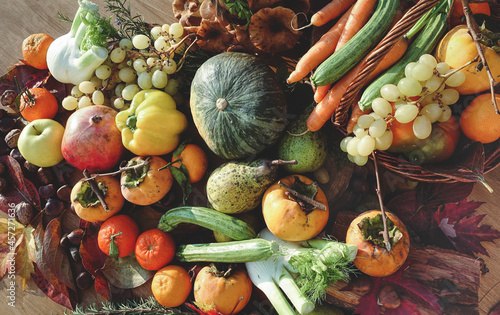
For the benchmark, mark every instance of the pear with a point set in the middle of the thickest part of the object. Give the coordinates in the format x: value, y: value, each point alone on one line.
x: 307, y: 147
x: 238, y: 186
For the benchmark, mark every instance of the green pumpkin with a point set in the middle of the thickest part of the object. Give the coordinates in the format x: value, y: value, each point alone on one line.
x: 237, y: 104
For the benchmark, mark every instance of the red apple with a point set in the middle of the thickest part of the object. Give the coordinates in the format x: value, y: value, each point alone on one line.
x: 91, y: 139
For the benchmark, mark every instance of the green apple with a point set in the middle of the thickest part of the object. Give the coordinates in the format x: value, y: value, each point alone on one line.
x: 40, y: 142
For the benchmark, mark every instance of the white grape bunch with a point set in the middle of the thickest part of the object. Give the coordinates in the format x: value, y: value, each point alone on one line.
x: 422, y: 97
x: 140, y: 63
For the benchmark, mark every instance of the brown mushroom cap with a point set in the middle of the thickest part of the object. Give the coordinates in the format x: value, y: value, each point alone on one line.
x: 187, y: 12
x: 214, y: 36
x: 274, y: 30
x: 255, y: 5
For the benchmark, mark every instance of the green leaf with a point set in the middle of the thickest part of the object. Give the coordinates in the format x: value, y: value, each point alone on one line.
x: 181, y: 176
x: 113, y: 248
x: 126, y: 272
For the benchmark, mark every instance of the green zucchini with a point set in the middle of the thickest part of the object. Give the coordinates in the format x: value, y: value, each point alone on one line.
x: 344, y: 59
x: 228, y: 252
x: 207, y: 218
x: 423, y: 44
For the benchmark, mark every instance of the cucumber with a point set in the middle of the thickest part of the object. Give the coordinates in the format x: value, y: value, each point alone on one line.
x: 207, y: 218
x: 343, y: 60
x: 228, y: 252
x: 424, y: 44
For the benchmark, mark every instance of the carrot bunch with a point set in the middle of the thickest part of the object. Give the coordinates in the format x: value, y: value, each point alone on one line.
x: 352, y: 16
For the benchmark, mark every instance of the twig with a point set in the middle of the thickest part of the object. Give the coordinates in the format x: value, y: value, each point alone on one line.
x: 120, y: 170
x: 298, y: 195
x: 473, y: 30
x: 283, y: 162
x: 96, y: 189
x: 379, y: 195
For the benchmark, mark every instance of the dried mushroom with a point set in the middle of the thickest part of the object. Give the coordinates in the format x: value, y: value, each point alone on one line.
x: 274, y: 30
x: 214, y: 36
x: 187, y: 12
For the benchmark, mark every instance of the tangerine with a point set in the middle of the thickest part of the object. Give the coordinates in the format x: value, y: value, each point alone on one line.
x: 479, y: 121
x: 195, y: 160
x: 118, y: 235
x: 38, y: 103
x: 154, y: 249
x: 171, y: 285
x: 35, y: 48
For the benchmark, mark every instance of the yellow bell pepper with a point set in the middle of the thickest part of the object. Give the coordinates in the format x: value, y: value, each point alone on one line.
x: 152, y: 124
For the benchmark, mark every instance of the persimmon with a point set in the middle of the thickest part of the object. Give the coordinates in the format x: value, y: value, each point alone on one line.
x: 457, y: 11
x: 117, y: 236
x: 479, y: 121
x: 289, y: 218
x: 171, y: 285
x: 373, y: 258
x: 154, y: 249
x: 228, y: 291
x: 146, y: 185
x: 457, y: 48
x: 38, y: 103
x: 86, y: 204
x: 194, y: 159
x: 34, y: 49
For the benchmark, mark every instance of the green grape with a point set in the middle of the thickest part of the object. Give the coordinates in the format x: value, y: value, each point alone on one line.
x: 352, y: 146
x: 364, y: 121
x: 87, y: 87
x: 176, y: 30
x: 98, y: 97
x: 140, y: 65
x: 127, y: 74
x: 130, y: 91
x: 406, y: 113
x: 432, y: 111
x: 156, y: 32
x: 159, y: 79
x: 118, y: 103
x: 377, y: 128
x: 126, y: 43
x: 344, y: 142
x: 384, y: 142
x: 409, y: 87
x: 382, y: 107
x: 103, y: 72
x: 360, y: 160
x: 117, y: 55
x: 144, y: 80
x: 140, y: 41
x: 422, y: 127
x: 84, y: 101
x: 390, y: 92
x: 69, y: 103
x: 366, y: 145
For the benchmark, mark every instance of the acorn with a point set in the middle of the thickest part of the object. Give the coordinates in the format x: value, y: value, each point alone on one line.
x: 74, y: 251
x: 30, y: 167
x: 14, y: 153
x: 64, y: 193
x: 388, y: 297
x: 12, y: 137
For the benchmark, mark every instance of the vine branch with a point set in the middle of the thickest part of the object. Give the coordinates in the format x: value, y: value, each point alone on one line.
x: 474, y: 30
x: 381, y: 203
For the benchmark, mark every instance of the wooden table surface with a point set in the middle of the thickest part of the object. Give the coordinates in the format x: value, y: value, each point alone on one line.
x: 20, y: 18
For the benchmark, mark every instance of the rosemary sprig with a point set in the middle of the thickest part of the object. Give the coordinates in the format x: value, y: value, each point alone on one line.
x: 129, y: 307
x: 128, y: 24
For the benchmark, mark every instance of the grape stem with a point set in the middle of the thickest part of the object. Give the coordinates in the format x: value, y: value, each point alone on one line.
x: 385, y: 233
x: 120, y: 170
x: 473, y: 30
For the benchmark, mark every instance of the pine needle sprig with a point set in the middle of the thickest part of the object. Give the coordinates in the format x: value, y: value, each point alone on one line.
x: 128, y: 24
x: 129, y: 307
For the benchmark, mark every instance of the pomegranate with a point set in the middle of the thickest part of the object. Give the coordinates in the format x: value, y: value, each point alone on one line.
x: 91, y: 139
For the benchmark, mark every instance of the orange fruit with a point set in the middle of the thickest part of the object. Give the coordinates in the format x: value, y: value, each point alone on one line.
x: 122, y: 231
x: 41, y: 104
x: 479, y: 121
x: 154, y: 249
x: 195, y: 160
x: 171, y: 286
x: 35, y: 48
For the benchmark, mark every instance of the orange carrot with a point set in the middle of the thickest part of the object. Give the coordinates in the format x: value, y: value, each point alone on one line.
x: 321, y: 50
x: 325, y: 109
x: 360, y: 14
x: 321, y: 92
x: 330, y: 11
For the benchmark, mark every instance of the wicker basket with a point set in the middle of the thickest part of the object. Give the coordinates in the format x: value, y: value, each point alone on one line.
x: 387, y: 160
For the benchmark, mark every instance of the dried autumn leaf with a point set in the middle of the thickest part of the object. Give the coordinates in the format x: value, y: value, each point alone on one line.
x: 45, y: 279
x: 437, y: 194
x: 410, y: 290
x: 125, y: 272
x: 21, y: 188
x: 17, y: 249
x: 462, y: 227
x: 93, y: 258
x: 54, y: 255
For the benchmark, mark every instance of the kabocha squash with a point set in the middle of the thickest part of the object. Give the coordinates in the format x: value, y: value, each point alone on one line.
x: 237, y: 104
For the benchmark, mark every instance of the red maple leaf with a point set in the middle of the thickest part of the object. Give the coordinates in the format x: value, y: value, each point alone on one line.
x: 461, y: 227
x: 412, y: 294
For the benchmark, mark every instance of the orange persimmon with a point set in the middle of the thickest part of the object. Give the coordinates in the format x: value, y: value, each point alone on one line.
x: 229, y: 292
x: 291, y: 220
x: 146, y: 185
x: 373, y: 258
